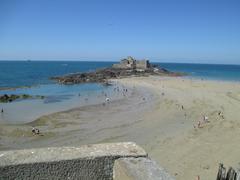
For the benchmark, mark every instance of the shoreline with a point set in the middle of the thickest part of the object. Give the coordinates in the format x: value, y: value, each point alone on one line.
x: 162, y: 124
x: 60, y: 98
x: 50, y: 126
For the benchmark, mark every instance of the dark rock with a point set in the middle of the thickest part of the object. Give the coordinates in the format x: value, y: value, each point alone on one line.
x: 10, y: 98
x: 103, y: 75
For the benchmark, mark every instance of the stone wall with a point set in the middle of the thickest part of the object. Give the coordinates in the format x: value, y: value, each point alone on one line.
x: 85, y: 162
x: 142, y: 64
x: 130, y: 62
x: 122, y: 66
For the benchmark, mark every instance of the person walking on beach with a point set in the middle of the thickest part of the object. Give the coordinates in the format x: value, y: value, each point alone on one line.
x: 2, y: 110
x: 199, y: 124
x: 107, y: 99
x: 205, y: 119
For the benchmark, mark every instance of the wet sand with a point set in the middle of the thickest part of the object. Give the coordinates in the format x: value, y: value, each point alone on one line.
x: 81, y: 125
x: 160, y: 115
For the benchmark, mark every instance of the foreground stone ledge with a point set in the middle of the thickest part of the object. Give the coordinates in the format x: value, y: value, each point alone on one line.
x: 138, y: 169
x: 93, y: 162
x: 85, y: 162
x: 52, y: 154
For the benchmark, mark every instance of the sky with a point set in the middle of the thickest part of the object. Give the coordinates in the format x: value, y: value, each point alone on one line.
x: 191, y: 31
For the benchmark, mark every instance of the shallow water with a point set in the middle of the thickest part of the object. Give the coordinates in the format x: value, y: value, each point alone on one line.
x: 57, y: 98
x: 36, y: 75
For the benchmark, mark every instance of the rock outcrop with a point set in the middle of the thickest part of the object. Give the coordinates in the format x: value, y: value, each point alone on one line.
x: 116, y: 71
x: 12, y: 97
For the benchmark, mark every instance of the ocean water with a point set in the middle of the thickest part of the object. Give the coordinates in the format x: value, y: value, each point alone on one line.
x: 24, y: 73
x: 22, y: 77
x: 206, y: 71
x: 33, y: 78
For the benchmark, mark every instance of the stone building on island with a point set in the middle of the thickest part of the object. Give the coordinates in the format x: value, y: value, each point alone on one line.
x: 131, y: 63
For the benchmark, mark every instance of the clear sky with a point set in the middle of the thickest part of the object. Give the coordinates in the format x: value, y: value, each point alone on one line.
x: 198, y: 31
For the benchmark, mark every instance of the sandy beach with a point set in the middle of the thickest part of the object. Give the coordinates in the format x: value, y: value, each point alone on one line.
x: 164, y: 115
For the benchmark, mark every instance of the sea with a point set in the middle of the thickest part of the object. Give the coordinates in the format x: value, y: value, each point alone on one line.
x: 33, y: 78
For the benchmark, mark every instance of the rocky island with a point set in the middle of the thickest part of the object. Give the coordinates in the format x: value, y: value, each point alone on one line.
x: 126, y: 68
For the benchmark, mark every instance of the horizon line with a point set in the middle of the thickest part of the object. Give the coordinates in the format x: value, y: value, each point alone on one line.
x: 154, y: 61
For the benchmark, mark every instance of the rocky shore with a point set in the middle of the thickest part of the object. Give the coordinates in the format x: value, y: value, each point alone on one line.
x: 10, y: 98
x: 126, y: 68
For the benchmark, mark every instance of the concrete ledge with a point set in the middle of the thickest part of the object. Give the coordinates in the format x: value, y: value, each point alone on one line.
x: 138, y: 169
x: 85, y: 162
x: 119, y: 161
x: 26, y: 156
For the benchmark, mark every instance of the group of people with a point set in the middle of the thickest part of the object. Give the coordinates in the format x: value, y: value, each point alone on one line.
x: 201, y: 122
x: 107, y: 99
x: 35, y: 131
x: 206, y: 120
x: 122, y: 90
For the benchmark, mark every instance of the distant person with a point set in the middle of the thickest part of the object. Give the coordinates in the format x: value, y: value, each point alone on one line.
x: 205, y: 119
x: 220, y: 113
x: 2, y: 110
x: 199, y: 124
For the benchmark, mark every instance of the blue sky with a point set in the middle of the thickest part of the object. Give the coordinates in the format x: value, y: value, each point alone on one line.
x: 198, y: 31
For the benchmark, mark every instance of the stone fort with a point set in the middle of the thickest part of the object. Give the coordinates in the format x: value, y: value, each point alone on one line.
x: 131, y: 63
